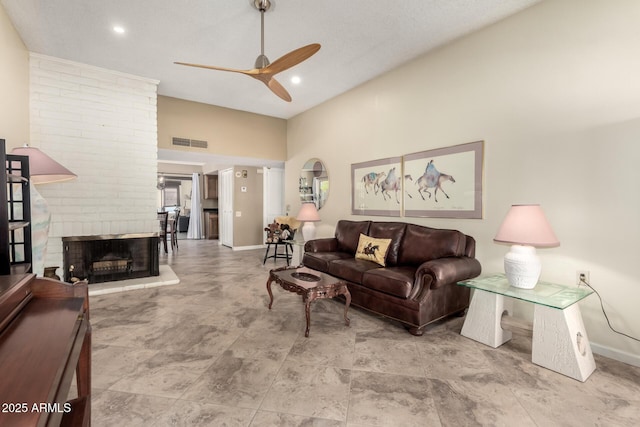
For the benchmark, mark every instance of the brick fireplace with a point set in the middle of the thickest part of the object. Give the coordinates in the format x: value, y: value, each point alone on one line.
x: 108, y: 258
x: 102, y: 125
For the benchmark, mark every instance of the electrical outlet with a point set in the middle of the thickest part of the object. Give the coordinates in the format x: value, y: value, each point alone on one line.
x: 582, y: 274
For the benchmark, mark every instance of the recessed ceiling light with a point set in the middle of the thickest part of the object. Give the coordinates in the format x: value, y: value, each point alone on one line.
x: 295, y: 80
x: 118, y: 29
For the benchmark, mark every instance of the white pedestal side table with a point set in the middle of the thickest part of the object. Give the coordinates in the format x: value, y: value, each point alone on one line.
x: 298, y: 252
x: 560, y: 341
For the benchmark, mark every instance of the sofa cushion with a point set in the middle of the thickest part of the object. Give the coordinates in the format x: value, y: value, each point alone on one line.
x: 389, y: 230
x: 320, y: 260
x: 372, y: 249
x: 422, y: 244
x: 351, y: 269
x: 396, y: 281
x: 348, y: 234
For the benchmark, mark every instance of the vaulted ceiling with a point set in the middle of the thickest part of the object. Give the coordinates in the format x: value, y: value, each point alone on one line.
x: 360, y: 40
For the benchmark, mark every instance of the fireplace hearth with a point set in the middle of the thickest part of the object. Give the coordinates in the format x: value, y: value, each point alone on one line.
x: 112, y: 257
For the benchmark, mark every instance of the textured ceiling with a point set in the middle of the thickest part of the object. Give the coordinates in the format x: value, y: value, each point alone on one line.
x: 360, y: 40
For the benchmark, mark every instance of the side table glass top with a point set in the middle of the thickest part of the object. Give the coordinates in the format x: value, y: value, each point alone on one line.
x: 549, y: 294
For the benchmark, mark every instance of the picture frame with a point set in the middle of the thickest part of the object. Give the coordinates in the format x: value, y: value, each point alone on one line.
x: 444, y: 182
x: 376, y: 187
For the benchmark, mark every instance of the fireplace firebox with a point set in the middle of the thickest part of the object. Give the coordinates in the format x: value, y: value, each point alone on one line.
x: 110, y: 257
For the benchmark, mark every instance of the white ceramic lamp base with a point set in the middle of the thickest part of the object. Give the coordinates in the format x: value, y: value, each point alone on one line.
x: 522, y: 267
x: 308, y: 231
x: 40, y: 220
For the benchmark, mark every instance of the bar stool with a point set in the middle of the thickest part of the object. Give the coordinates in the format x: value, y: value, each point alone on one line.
x: 163, y: 218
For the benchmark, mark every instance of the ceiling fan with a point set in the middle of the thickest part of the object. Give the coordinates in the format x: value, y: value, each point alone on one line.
x: 265, y: 70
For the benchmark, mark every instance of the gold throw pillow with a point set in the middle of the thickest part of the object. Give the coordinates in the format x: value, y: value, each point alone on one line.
x: 372, y: 249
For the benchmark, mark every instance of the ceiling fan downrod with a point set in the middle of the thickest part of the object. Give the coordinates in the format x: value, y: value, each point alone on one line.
x: 262, y: 5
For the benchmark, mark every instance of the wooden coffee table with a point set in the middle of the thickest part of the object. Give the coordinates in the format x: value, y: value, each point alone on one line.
x: 311, y: 284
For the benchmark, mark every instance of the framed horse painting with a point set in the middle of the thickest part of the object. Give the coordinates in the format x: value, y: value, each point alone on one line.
x: 444, y: 182
x: 376, y: 187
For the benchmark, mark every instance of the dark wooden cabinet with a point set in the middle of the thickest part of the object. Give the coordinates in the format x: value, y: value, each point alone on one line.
x: 211, y: 186
x: 212, y: 225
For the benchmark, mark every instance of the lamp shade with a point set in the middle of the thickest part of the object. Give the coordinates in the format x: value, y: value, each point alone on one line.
x: 526, y: 225
x: 42, y: 168
x: 308, y: 213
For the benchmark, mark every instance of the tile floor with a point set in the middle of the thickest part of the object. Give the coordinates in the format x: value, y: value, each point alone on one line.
x: 208, y: 352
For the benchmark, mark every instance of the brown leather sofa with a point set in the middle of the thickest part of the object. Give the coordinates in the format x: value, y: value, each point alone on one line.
x: 418, y: 284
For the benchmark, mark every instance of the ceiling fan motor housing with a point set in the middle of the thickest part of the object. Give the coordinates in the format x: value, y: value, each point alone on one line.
x: 262, y: 61
x: 262, y: 5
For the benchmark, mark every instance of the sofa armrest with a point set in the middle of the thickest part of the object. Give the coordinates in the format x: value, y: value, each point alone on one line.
x: 329, y: 244
x: 449, y: 270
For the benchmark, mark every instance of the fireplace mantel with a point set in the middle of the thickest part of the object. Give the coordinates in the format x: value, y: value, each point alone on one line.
x: 110, y: 237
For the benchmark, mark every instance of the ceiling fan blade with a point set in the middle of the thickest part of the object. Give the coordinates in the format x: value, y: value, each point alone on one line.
x: 211, y: 67
x: 278, y: 89
x: 290, y: 59
x: 266, y: 73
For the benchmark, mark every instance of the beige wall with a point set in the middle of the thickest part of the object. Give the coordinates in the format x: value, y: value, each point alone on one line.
x: 554, y: 93
x: 14, y: 85
x: 248, y: 227
x: 228, y: 132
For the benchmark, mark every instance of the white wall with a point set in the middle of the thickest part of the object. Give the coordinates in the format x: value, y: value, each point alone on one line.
x: 101, y: 125
x: 554, y: 93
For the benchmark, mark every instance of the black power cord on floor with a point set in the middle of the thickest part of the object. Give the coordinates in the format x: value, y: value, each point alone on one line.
x: 582, y: 280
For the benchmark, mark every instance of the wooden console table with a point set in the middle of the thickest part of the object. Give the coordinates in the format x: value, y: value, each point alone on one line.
x: 45, y: 337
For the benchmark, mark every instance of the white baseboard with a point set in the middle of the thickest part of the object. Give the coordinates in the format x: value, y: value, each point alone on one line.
x: 619, y: 355
x: 248, y: 248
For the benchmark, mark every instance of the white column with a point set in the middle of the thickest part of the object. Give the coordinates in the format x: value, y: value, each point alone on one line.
x: 560, y: 342
x: 482, y: 322
x: 298, y: 252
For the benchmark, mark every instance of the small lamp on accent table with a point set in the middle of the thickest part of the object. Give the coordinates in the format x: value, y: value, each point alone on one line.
x: 308, y: 214
x: 526, y: 228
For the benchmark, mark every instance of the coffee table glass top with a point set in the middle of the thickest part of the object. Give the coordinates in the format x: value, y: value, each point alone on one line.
x: 549, y: 294
x: 304, y: 277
